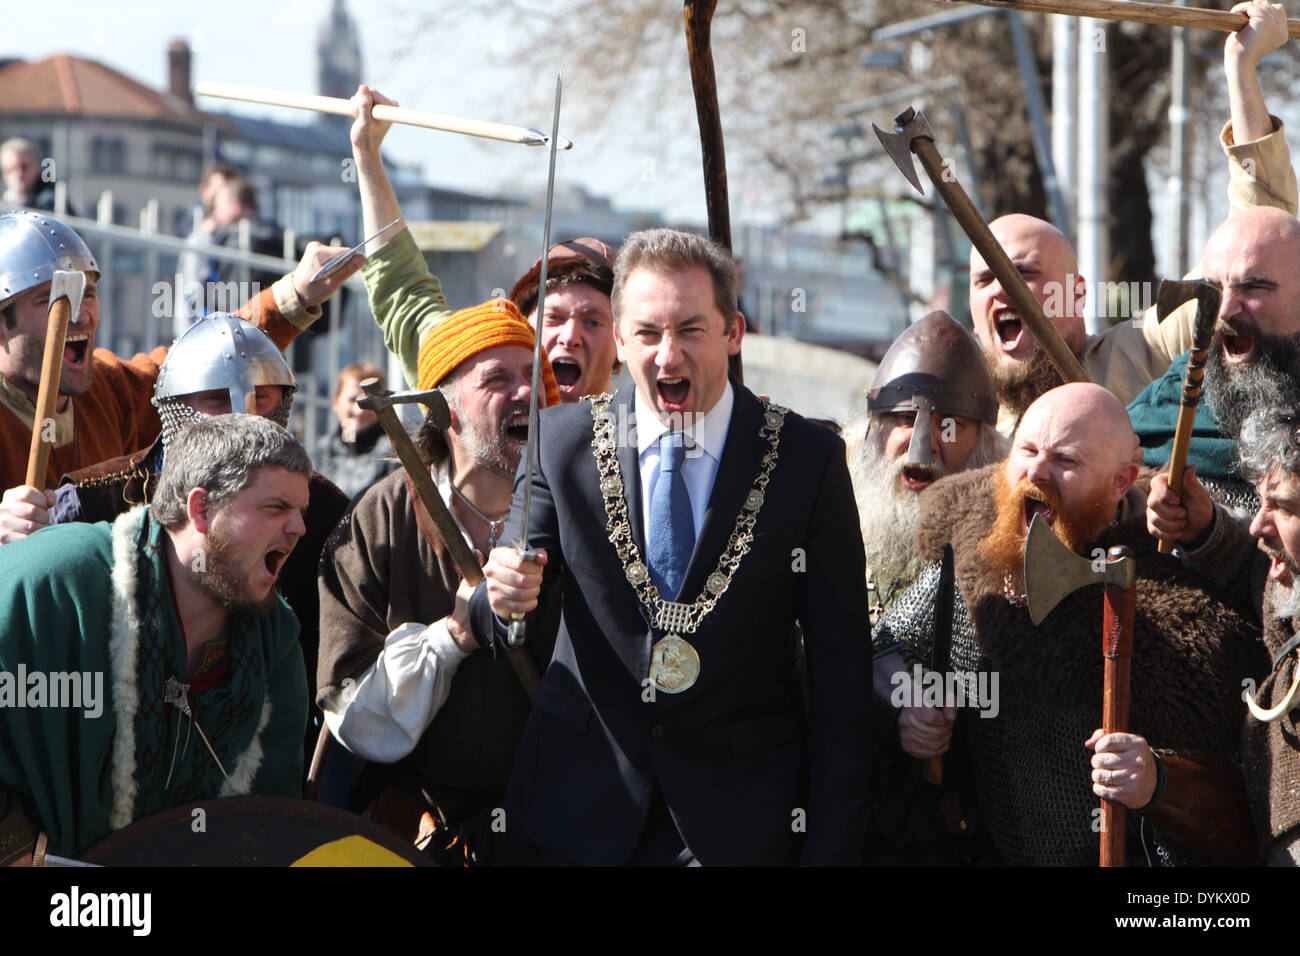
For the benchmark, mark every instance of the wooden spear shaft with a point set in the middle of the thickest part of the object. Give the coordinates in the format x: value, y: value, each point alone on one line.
x: 1131, y: 11
x: 385, y: 114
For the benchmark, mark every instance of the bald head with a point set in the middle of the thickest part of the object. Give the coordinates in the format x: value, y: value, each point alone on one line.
x: 1254, y: 257
x: 1047, y: 263
x: 1047, y: 239
x: 1078, y: 439
x: 1088, y: 415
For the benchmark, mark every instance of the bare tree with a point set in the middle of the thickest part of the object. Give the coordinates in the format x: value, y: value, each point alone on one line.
x: 787, y: 68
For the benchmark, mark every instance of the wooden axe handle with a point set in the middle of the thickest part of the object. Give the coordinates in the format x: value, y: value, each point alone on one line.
x: 47, y: 396
x: 1183, y: 431
x: 460, y: 552
x: 932, y: 770
x: 968, y: 217
x: 1130, y: 11
x: 1117, y: 649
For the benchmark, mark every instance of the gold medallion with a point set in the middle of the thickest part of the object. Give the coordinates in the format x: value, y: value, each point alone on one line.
x: 674, y: 665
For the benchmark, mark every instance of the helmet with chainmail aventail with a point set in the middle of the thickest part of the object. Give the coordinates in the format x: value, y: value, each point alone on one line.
x: 32, y: 246
x: 934, y: 366
x: 220, y: 351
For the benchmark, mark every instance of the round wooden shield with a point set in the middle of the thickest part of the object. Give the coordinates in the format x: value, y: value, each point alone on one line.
x: 254, y: 831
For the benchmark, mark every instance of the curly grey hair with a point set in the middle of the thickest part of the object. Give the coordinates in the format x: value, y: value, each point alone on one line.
x: 1269, y: 440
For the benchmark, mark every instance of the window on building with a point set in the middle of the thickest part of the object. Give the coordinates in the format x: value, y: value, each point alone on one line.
x: 107, y: 154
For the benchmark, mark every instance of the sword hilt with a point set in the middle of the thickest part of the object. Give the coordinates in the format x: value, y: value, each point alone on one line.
x: 516, y: 631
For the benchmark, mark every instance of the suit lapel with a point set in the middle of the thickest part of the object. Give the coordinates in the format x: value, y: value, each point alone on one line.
x: 629, y: 463
x: 736, y: 473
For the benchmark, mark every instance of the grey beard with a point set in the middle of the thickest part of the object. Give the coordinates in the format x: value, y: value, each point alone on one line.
x: 1020, y: 387
x: 1271, y: 380
x: 1286, y: 602
x: 888, y: 517
x: 487, y: 446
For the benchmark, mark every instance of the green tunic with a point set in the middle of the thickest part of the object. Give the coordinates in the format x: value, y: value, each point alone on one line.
x: 94, y: 601
x: 406, y: 299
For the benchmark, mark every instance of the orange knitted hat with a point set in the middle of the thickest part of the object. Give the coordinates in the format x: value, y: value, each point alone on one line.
x: 464, y: 334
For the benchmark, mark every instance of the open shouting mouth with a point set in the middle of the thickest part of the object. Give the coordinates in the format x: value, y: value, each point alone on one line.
x: 674, y: 392
x: 568, y: 372
x: 517, y: 427
x: 1010, y: 329
x: 76, y: 350
x: 917, y: 477
x: 1238, y: 346
x: 274, y: 561
x: 1034, y: 505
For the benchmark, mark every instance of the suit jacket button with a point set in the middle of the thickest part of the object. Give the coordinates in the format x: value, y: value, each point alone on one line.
x: 656, y: 731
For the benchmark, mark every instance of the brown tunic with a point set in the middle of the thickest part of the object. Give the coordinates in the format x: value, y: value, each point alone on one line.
x: 379, y: 572
x: 116, y: 415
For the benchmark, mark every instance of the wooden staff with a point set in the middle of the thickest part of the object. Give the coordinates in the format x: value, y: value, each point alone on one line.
x: 1130, y: 11
x: 698, y: 15
x: 385, y: 114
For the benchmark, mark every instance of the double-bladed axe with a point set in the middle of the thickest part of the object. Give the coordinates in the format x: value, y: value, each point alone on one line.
x: 912, y: 134
x: 1052, y: 572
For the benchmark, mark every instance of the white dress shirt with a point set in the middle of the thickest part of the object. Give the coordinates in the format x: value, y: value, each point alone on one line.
x: 705, y: 439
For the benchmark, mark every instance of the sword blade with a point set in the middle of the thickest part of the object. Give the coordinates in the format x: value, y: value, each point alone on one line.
x: 334, y: 264
x: 516, y: 631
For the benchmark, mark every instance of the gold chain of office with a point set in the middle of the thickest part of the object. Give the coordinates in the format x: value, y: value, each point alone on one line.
x: 671, y: 616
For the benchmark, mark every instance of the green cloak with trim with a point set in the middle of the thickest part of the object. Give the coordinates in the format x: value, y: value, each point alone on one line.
x: 94, y: 601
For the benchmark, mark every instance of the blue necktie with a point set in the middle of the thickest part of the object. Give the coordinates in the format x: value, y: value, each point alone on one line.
x: 672, y: 526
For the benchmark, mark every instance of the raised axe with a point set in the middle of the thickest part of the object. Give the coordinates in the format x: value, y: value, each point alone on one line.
x: 912, y: 134
x: 1053, y: 571
x: 1130, y: 11
x: 1172, y: 294
x: 67, y: 287
x: 381, y: 403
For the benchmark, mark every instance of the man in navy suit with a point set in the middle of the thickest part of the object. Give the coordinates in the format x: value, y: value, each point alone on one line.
x: 686, y: 526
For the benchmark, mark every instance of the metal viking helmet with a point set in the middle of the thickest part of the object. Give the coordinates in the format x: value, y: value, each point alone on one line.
x: 935, y: 365
x: 220, y: 351
x: 32, y: 246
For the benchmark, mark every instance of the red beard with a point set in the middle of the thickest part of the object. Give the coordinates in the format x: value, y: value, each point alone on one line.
x: 1003, y: 548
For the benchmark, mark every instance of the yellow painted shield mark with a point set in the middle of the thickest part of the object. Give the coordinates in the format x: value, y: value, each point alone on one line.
x: 350, y: 851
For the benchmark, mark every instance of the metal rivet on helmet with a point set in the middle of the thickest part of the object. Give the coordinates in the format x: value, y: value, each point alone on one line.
x: 30, y: 254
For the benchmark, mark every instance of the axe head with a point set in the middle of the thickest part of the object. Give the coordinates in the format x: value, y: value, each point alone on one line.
x: 908, y: 125
x: 378, y: 400
x: 1053, y: 571
x: 71, y: 285
x: 1174, y: 292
